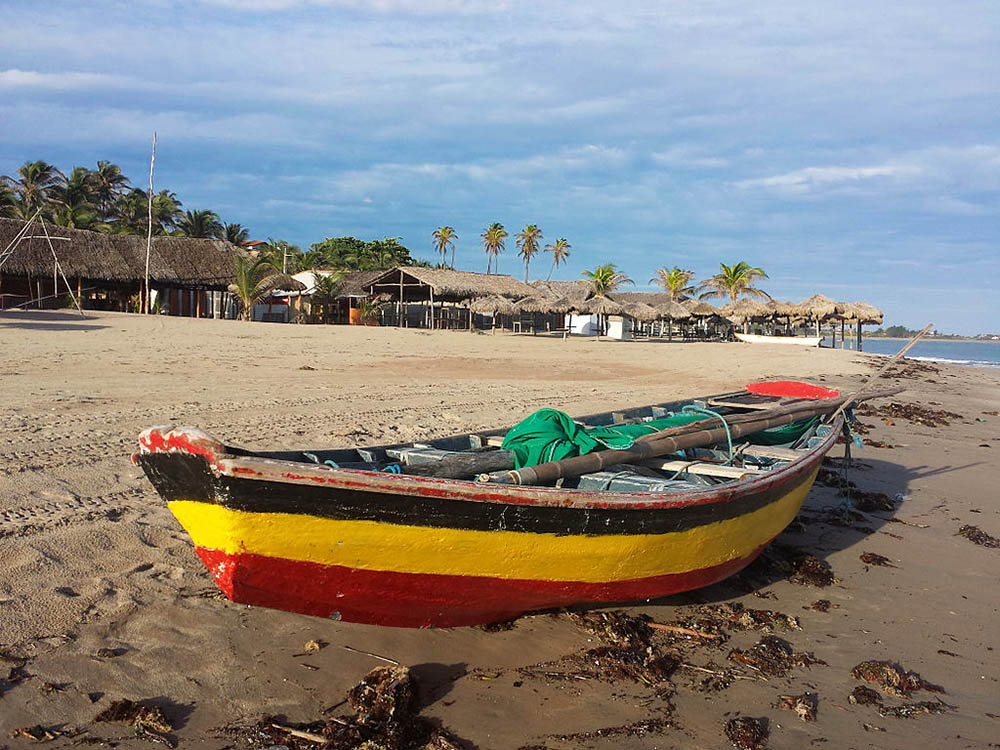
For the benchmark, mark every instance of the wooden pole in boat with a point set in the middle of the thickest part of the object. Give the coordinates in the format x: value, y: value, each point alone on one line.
x: 677, y: 438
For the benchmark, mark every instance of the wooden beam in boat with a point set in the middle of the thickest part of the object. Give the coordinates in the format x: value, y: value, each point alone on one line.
x: 698, y: 467
x: 768, y: 451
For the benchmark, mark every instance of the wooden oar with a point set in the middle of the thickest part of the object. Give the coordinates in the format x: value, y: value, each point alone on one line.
x: 674, y: 439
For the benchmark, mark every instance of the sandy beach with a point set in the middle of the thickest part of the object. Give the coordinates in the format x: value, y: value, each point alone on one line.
x: 102, y: 598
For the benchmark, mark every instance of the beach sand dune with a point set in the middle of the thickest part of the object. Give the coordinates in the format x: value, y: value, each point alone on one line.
x: 101, y: 597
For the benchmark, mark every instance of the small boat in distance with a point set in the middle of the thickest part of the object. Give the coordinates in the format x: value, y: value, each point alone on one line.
x: 753, y: 338
x: 366, y: 535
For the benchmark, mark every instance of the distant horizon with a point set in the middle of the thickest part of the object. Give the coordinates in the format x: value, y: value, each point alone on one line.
x: 851, y: 150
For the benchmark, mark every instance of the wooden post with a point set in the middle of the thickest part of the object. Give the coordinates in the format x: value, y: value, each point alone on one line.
x: 859, y: 336
x: 843, y: 341
x: 399, y: 321
x: 197, y: 303
x: 432, y: 308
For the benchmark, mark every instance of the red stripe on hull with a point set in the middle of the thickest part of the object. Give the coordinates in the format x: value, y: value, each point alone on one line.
x: 417, y: 600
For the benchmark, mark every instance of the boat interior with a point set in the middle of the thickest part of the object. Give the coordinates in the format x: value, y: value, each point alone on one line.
x: 692, y: 469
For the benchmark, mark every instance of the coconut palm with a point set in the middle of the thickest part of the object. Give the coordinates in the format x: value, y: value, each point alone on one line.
x: 676, y: 282
x: 130, y: 213
x: 527, y: 241
x: 560, y: 252
x: 326, y: 289
x: 606, y: 279
x: 166, y: 211
x: 235, y: 233
x: 36, y: 184
x: 108, y: 183
x: 444, y: 237
x: 202, y: 223
x: 733, y: 282
x: 253, y: 282
x: 493, y: 243
x: 74, y: 202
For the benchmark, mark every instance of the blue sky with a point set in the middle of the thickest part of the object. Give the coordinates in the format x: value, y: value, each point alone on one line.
x: 849, y: 148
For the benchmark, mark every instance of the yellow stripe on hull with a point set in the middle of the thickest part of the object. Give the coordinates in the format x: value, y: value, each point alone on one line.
x: 371, y: 545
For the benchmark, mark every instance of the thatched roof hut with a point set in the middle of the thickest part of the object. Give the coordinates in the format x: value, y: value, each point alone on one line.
x: 173, y: 261
x: 781, y: 309
x: 818, y: 307
x: 745, y: 309
x: 863, y: 313
x: 700, y: 309
x: 573, y: 291
x: 649, y: 298
x: 538, y: 304
x: 355, y: 283
x: 601, y: 306
x: 642, y: 311
x: 417, y: 284
x: 285, y: 283
x: 492, y: 305
x: 672, y: 310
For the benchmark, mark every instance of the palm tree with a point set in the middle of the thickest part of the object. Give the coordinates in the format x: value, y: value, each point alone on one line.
x: 606, y: 279
x: 733, y: 282
x: 202, y: 223
x: 166, y: 211
x: 109, y: 183
x: 36, y: 184
x: 493, y: 243
x: 235, y: 233
x: 444, y: 237
x: 254, y: 280
x: 560, y: 252
x: 74, y: 202
x: 527, y: 241
x: 130, y: 213
x: 326, y: 289
x: 676, y: 282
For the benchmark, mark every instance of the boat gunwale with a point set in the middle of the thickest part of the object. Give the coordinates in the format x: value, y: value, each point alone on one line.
x: 194, y: 441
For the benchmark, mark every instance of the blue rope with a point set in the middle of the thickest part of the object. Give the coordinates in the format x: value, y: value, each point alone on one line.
x: 393, y: 469
x: 692, y: 409
x: 315, y: 459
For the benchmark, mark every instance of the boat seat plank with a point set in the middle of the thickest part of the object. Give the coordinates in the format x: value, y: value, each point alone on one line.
x: 697, y: 467
x: 770, y: 451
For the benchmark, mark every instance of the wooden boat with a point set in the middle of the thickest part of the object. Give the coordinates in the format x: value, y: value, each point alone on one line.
x: 753, y: 338
x: 332, y: 534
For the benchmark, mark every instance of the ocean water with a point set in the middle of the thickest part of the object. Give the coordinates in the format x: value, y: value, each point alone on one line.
x: 978, y: 353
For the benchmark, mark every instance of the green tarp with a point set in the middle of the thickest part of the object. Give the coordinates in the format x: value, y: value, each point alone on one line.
x: 551, y: 435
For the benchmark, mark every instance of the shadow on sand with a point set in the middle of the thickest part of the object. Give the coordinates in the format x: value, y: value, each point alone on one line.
x: 47, y: 320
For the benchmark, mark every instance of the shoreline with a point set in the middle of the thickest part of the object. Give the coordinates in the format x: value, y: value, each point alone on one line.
x: 105, y: 598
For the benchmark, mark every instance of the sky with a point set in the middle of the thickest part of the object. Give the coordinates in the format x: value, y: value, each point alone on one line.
x: 848, y: 148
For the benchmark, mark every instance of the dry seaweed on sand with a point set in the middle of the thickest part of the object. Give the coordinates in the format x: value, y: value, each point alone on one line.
x: 615, y: 627
x: 893, y: 679
x: 872, y: 558
x: 977, y: 536
x: 798, y: 566
x: 148, y: 721
x: 909, y: 710
x: 865, y: 696
x: 863, y: 500
x: 821, y: 605
x: 803, y: 705
x: 747, y: 733
x: 636, y: 729
x: 37, y: 733
x: 385, y: 719
x: 773, y: 656
x: 910, y: 412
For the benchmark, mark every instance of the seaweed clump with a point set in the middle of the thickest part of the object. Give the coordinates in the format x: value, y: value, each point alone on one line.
x: 385, y: 719
x: 893, y: 679
x: 872, y: 558
x: 977, y: 536
x: 803, y: 705
x: 910, y: 412
x: 146, y: 720
x: 800, y: 567
x: 773, y: 656
x: 747, y: 733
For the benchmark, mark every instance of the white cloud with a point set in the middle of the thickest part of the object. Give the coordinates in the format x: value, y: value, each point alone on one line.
x: 811, y: 178
x: 14, y: 78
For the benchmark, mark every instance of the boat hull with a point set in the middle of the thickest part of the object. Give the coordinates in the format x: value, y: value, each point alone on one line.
x: 417, y: 552
x: 752, y: 338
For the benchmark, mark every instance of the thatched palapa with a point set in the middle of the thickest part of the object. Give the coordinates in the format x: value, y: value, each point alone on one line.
x: 492, y: 305
x: 601, y: 306
x: 641, y: 311
x: 121, y: 259
x: 417, y: 284
x: 672, y: 310
x: 572, y: 291
x: 700, y: 309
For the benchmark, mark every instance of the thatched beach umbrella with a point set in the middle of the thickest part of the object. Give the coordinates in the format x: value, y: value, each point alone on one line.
x: 493, y: 306
x: 601, y: 306
x: 818, y: 308
x: 699, y: 308
x: 641, y: 311
x: 863, y: 313
x: 671, y: 311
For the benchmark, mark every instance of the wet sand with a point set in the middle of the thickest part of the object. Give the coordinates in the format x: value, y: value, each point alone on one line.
x: 92, y: 560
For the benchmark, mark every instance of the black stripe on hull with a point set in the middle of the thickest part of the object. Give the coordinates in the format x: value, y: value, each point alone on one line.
x: 179, y: 476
